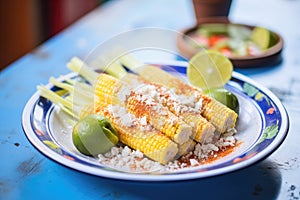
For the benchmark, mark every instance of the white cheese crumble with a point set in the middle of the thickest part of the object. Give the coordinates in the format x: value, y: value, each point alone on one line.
x: 126, y: 159
x: 152, y: 94
x: 123, y: 93
x: 143, y: 120
x: 194, y: 162
x: 134, y: 161
x: 122, y: 116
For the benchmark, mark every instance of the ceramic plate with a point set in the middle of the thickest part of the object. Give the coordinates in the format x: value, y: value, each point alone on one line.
x: 262, y: 126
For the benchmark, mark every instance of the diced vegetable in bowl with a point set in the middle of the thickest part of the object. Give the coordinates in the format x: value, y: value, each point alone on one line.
x: 246, y: 46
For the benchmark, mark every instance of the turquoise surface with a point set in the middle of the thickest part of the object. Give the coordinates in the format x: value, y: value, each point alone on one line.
x: 27, y: 174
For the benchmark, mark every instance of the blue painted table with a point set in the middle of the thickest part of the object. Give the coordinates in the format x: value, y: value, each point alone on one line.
x: 27, y: 174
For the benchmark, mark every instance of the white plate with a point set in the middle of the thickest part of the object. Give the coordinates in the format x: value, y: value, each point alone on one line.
x: 262, y: 126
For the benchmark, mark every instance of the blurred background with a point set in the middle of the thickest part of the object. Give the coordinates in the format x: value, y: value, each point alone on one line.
x: 27, y: 23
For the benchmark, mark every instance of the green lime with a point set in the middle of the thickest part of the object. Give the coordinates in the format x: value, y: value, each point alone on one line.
x: 209, y: 69
x: 261, y: 37
x: 273, y: 39
x: 225, y: 97
x: 93, y: 135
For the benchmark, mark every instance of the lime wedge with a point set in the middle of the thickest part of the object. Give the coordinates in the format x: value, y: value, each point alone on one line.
x: 225, y: 97
x: 261, y: 37
x: 209, y: 69
x: 93, y: 135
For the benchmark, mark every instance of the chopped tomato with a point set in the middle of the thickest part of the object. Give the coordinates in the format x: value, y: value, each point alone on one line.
x: 214, y: 39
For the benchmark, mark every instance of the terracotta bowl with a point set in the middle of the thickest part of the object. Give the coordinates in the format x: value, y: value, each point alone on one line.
x: 270, y: 57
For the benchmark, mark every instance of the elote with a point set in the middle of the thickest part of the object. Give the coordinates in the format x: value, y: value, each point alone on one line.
x: 136, y: 133
x: 182, y: 106
x: 110, y: 90
x: 218, y: 114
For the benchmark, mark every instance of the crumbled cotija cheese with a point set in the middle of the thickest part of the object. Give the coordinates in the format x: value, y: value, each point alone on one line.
x: 124, y: 118
x: 126, y: 159
x: 143, y: 121
x: 123, y: 93
x: 194, y: 162
x: 205, y: 150
x: 164, y: 96
x: 121, y: 115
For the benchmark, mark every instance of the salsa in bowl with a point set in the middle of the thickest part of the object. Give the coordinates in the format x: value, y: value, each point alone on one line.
x: 244, y: 45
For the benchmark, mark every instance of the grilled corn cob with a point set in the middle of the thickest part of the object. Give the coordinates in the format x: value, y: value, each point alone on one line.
x: 188, y: 110
x: 109, y: 90
x: 160, y: 117
x: 135, y: 133
x: 140, y: 135
x: 185, y: 148
x: 218, y: 114
x: 202, y: 130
